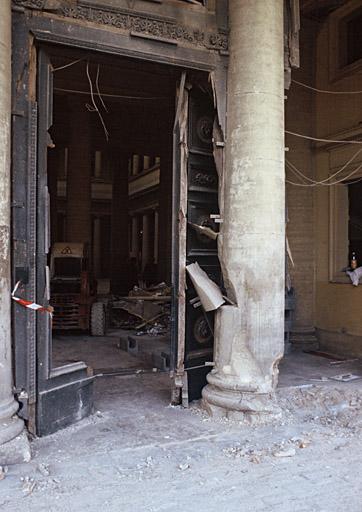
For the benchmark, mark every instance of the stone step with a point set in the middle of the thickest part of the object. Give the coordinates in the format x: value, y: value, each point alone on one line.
x: 304, y: 341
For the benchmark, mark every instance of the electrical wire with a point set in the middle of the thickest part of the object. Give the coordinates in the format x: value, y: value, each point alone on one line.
x: 329, y: 177
x: 299, y: 174
x: 99, y: 94
x: 67, y: 65
x: 331, y: 184
x: 324, y: 140
x: 75, y: 91
x: 324, y: 91
x: 95, y: 108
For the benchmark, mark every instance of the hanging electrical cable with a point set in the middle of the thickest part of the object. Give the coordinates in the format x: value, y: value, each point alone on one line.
x: 99, y: 94
x: 324, y: 140
x: 106, y: 95
x: 95, y: 108
x: 323, y: 91
x: 67, y: 65
x: 300, y: 175
x: 329, y: 177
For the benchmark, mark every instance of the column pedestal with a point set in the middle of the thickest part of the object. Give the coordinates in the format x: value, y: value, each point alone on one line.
x: 236, y: 388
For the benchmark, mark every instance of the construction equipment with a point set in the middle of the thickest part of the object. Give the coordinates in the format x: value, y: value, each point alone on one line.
x: 73, y: 290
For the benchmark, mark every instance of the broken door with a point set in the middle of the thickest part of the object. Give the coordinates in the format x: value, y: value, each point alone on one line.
x: 64, y: 393
x: 198, y: 206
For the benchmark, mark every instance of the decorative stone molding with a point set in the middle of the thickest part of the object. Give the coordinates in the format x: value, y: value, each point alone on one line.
x: 131, y: 21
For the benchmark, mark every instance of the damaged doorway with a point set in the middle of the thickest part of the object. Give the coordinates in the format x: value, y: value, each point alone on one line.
x: 110, y: 184
x: 112, y: 238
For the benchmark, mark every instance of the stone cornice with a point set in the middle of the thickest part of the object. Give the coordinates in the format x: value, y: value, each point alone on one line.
x: 138, y: 23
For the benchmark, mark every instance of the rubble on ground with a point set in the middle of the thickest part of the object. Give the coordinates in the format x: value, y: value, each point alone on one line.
x: 146, y: 310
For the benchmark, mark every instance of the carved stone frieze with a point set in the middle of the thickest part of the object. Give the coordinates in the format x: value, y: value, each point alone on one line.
x: 32, y: 4
x: 134, y: 22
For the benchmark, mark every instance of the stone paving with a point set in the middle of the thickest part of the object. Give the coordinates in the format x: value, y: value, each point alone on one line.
x: 137, y: 453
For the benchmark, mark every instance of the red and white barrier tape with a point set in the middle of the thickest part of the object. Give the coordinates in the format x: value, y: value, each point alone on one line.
x: 29, y: 304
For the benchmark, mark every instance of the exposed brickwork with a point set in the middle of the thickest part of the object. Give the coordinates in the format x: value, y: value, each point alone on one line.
x: 300, y: 203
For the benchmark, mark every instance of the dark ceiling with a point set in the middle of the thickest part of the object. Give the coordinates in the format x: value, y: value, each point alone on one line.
x: 320, y: 9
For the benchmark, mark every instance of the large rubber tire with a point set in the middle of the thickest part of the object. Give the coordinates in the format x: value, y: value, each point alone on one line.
x: 98, y: 323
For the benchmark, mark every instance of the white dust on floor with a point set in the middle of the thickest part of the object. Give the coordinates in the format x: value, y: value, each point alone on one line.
x: 137, y: 453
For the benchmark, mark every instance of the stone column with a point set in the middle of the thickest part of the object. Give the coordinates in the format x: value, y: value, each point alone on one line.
x: 135, y: 164
x: 145, y: 241
x: 79, y: 191
x: 249, y: 336
x: 14, y: 445
x: 120, y: 261
x: 155, y: 245
x: 146, y: 162
x: 165, y: 214
x: 134, y: 235
x: 97, y: 247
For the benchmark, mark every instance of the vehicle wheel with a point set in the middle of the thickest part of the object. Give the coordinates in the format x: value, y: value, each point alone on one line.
x: 98, y: 319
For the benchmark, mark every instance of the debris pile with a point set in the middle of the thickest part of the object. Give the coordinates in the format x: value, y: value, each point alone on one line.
x: 146, y: 310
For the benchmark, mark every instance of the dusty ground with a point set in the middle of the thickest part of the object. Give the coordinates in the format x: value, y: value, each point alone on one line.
x: 139, y: 454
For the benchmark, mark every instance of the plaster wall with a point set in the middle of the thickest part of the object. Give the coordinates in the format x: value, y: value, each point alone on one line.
x: 300, y: 118
x: 338, y: 305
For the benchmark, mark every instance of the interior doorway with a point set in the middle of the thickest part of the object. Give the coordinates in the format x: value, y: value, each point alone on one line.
x: 109, y: 176
x: 126, y: 182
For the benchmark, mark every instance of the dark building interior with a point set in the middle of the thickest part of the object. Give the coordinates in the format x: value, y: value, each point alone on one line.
x: 110, y: 203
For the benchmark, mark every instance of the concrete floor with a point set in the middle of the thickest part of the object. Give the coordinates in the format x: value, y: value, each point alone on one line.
x: 137, y: 453
x: 98, y: 352
x: 300, y: 368
x: 104, y: 353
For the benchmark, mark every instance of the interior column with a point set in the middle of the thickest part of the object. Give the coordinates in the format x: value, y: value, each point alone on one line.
x: 134, y: 236
x: 97, y: 247
x: 165, y: 216
x: 14, y: 447
x: 249, y: 336
x: 79, y: 185
x: 145, y: 240
x: 56, y: 165
x: 155, y: 245
x: 120, y: 257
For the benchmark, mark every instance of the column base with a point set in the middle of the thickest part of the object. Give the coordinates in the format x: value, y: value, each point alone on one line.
x: 10, y: 424
x: 251, y: 407
x: 16, y: 451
